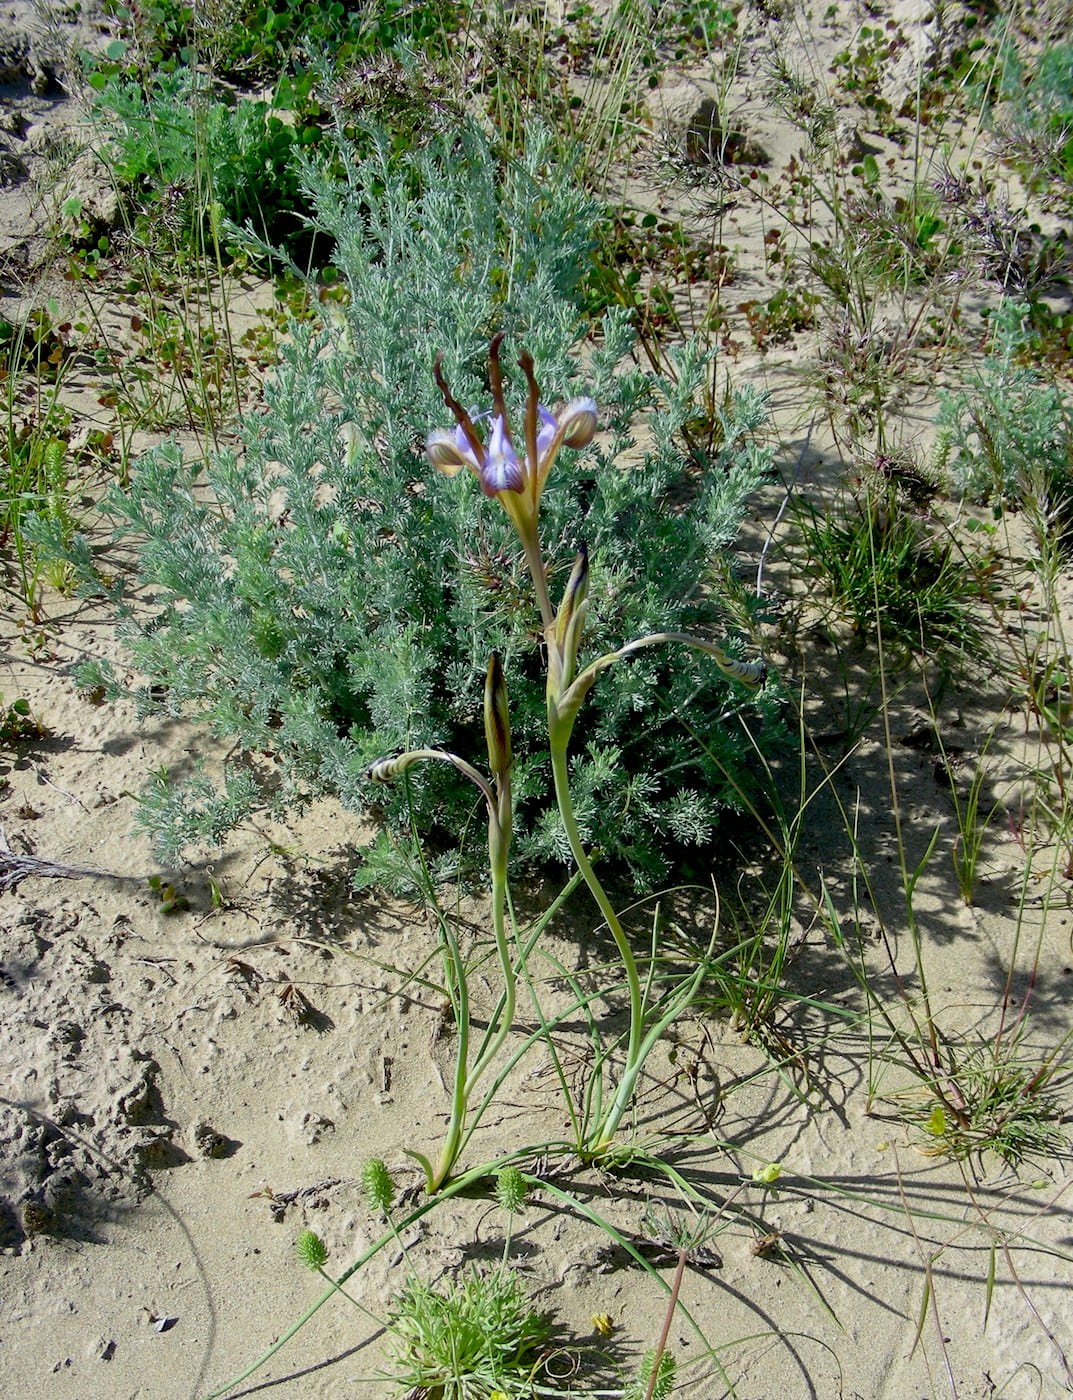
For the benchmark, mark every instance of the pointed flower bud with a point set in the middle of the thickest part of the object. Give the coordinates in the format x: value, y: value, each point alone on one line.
x: 497, y: 719
x: 577, y: 589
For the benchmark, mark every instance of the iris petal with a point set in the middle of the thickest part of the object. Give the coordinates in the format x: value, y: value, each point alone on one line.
x: 445, y: 454
x: 549, y: 426
x: 501, y: 470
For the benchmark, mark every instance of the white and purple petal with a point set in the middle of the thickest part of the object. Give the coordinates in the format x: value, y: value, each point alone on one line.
x: 501, y: 469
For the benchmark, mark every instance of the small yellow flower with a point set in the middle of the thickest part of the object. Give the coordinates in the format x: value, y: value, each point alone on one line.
x: 768, y: 1174
x: 603, y: 1324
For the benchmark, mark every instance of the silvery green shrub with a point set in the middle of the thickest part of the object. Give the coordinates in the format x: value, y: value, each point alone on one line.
x: 1007, y: 435
x: 320, y: 597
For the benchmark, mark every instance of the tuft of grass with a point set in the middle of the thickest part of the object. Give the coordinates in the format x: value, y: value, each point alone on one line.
x: 1008, y: 1105
x: 894, y: 573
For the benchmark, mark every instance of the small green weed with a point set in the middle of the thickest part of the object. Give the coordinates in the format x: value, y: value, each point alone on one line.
x: 891, y: 570
x: 776, y: 320
x: 171, y: 901
x: 469, y: 1339
x: 17, y: 722
x: 1008, y: 1107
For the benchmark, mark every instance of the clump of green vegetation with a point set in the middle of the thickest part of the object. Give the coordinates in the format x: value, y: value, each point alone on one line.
x: 1007, y: 436
x: 36, y: 454
x: 469, y: 1339
x: 17, y: 721
x: 247, y: 39
x: 336, y: 602
x: 190, y: 158
x: 1007, y: 1106
x: 891, y: 570
x: 1036, y: 125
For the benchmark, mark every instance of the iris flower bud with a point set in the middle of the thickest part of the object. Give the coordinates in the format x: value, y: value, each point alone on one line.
x: 578, y: 423
x: 497, y: 719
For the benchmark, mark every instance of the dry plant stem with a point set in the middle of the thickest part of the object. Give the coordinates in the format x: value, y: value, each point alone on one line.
x: 665, y: 1330
x: 15, y: 868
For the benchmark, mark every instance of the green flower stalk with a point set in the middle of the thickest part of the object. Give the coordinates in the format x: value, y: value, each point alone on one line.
x: 499, y: 802
x: 517, y: 482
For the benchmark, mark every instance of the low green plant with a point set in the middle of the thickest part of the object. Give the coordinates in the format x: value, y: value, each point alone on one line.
x: 1035, y: 122
x: 888, y: 568
x: 1008, y: 1105
x: 17, y: 721
x: 175, y: 365
x: 779, y: 317
x: 36, y: 465
x: 189, y: 157
x: 860, y: 68
x: 251, y: 40
x: 320, y: 601
x: 469, y: 1339
x: 1006, y: 436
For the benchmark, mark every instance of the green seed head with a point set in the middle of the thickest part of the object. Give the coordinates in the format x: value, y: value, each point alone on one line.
x: 511, y: 1189
x: 311, y: 1249
x: 377, y: 1184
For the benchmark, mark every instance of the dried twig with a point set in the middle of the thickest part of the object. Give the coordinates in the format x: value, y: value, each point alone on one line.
x: 14, y: 868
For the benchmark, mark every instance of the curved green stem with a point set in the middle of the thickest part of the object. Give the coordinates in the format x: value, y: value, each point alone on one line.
x: 466, y: 1079
x: 605, y: 1127
x: 459, y: 1098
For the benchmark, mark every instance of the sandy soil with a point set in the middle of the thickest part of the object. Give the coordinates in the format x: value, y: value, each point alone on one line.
x: 185, y: 1089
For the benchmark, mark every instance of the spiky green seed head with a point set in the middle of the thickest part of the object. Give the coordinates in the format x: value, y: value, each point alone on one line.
x: 511, y: 1190
x: 666, y: 1369
x: 311, y: 1250
x: 377, y: 1185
